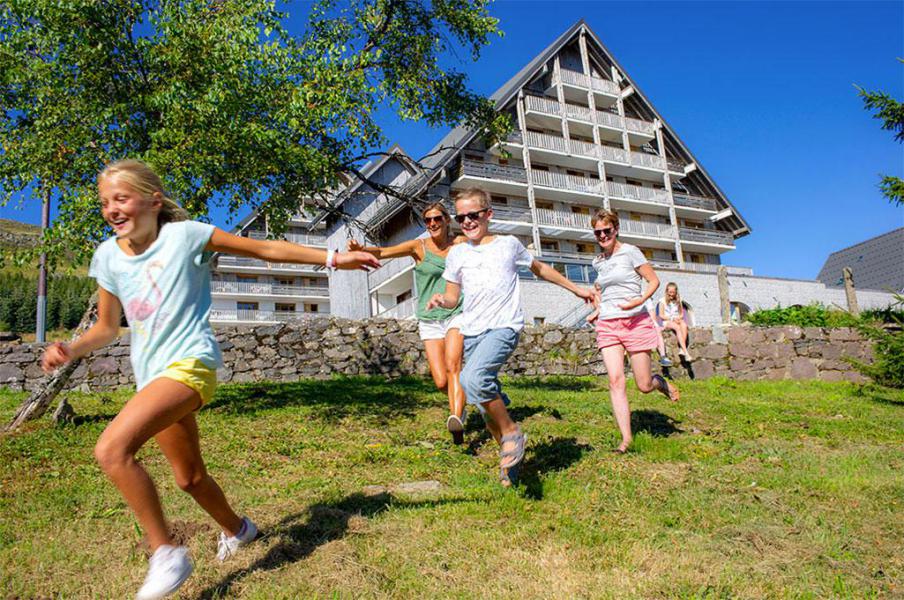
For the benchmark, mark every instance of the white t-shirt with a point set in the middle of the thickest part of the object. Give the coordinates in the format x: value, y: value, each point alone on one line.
x: 672, y: 310
x: 488, y: 275
x: 619, y: 281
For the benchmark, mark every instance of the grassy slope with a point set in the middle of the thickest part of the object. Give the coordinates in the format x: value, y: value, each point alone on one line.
x: 751, y: 490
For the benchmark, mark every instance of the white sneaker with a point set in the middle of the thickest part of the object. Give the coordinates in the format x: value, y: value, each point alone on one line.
x: 229, y: 545
x: 169, y: 567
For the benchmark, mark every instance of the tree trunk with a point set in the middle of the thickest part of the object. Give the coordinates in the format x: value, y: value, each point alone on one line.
x: 36, y: 404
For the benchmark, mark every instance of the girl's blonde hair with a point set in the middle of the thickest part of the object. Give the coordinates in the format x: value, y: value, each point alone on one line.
x: 677, y: 295
x: 142, y: 178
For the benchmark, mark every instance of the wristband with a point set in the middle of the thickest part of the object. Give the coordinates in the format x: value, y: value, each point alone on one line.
x: 330, y: 254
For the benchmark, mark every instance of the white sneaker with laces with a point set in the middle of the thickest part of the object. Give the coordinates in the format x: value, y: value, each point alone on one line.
x: 169, y: 567
x: 229, y: 545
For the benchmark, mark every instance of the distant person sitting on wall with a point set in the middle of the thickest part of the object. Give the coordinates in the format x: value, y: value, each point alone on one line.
x: 439, y: 328
x: 624, y: 325
x: 156, y: 268
x: 671, y: 314
x: 485, y: 270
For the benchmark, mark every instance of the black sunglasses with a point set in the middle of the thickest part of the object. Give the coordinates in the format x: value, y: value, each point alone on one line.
x: 605, y: 231
x: 439, y: 219
x: 471, y: 215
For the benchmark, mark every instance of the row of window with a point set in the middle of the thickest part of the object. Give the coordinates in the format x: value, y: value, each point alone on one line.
x: 309, y: 307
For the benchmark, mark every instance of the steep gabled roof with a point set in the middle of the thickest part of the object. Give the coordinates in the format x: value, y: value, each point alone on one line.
x: 449, y: 146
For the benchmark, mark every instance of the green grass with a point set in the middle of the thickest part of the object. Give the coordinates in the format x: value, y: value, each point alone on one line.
x: 749, y: 490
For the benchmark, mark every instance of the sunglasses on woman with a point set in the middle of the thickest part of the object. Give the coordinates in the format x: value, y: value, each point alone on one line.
x: 471, y: 215
x: 438, y: 219
x: 604, y: 232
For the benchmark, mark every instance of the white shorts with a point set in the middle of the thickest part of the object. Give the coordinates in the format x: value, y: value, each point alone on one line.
x: 436, y: 330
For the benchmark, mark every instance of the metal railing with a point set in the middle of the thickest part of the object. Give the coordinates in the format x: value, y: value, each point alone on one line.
x: 244, y: 261
x: 580, y: 113
x: 511, y: 213
x: 267, y: 289
x: 543, y: 105
x: 402, y: 310
x: 706, y: 236
x: 695, y: 201
x: 608, y: 119
x: 485, y: 170
x: 546, y: 141
x: 613, y: 154
x: 564, y: 255
x: 711, y: 268
x: 258, y: 316
x: 559, y: 218
x: 661, y: 263
x: 583, y: 148
x: 675, y: 165
x: 636, y: 192
x: 564, y: 181
x: 646, y: 228
x: 642, y: 159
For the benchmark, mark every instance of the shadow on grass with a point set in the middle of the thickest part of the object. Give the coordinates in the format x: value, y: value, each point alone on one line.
x: 553, y: 383
x: 654, y: 422
x: 334, y: 399
x: 547, y: 457
x: 300, y: 534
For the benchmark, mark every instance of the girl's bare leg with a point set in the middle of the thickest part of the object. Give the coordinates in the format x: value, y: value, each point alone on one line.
x: 156, y: 407
x: 682, y: 335
x: 614, y: 359
x: 454, y: 348
x: 436, y: 359
x: 643, y: 376
x: 181, y: 446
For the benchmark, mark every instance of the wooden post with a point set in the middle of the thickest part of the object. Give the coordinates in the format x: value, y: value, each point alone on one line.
x: 724, y: 302
x: 850, y: 292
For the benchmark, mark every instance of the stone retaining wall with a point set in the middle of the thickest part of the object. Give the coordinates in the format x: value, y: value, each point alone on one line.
x: 322, y: 347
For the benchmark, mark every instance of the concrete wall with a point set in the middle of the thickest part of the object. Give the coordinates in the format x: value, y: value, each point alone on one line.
x: 325, y: 346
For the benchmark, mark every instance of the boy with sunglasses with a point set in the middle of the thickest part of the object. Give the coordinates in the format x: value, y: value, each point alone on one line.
x: 485, y: 269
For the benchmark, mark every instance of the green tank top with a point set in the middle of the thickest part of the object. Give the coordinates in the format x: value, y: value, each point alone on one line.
x: 428, y: 280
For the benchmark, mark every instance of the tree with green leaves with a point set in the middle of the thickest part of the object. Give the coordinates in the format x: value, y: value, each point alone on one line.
x: 221, y: 98
x: 891, y: 112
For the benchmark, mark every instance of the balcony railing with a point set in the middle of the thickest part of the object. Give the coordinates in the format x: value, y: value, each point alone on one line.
x: 561, y: 255
x: 695, y: 202
x: 560, y: 218
x: 485, y: 170
x: 511, y: 213
x: 675, y: 165
x: 646, y: 228
x: 580, y: 113
x: 543, y: 105
x: 639, y: 126
x: 661, y: 263
x: 564, y: 181
x: 582, y: 148
x: 707, y: 236
x: 296, y: 238
x: 711, y: 268
x: 608, y: 119
x: 546, y: 141
x: 244, y: 261
x: 267, y: 289
x: 652, y: 161
x: 402, y: 310
x: 636, y: 192
x: 611, y: 153
x: 586, y: 81
x: 259, y: 316
x: 390, y: 269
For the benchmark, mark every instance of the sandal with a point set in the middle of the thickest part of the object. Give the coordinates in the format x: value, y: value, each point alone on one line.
x: 668, y: 390
x: 519, y: 439
x: 509, y: 477
x: 457, y: 429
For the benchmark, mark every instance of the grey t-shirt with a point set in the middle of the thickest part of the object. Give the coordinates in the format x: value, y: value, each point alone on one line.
x: 618, y: 278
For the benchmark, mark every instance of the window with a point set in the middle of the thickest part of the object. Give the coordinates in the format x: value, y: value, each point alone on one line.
x: 575, y: 173
x: 539, y: 167
x: 311, y: 308
x: 586, y: 248
x: 576, y: 273
x: 284, y: 307
x: 246, y: 305
x: 496, y: 199
x: 246, y: 278
x: 549, y: 245
x: 503, y: 161
x: 580, y: 210
x: 546, y: 205
x: 539, y: 320
x: 284, y: 280
x: 648, y: 254
x: 403, y: 296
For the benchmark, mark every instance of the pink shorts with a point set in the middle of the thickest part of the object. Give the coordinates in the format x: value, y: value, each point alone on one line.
x: 636, y: 334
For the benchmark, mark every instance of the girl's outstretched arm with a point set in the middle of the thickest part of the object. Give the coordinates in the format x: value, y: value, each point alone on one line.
x: 544, y: 271
x: 104, y: 331
x: 408, y: 248
x: 282, y: 251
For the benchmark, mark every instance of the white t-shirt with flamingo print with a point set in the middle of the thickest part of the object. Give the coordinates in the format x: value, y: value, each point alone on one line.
x: 165, y: 293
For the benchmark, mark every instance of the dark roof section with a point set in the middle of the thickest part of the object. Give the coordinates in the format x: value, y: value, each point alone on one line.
x: 459, y: 137
x: 877, y: 263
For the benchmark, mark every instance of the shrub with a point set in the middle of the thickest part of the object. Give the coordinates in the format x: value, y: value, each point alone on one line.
x: 813, y: 315
x: 887, y: 335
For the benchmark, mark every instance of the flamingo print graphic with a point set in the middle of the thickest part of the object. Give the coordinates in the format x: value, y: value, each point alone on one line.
x: 140, y: 309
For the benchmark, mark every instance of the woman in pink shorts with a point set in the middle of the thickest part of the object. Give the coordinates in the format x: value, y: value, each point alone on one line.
x: 623, y: 323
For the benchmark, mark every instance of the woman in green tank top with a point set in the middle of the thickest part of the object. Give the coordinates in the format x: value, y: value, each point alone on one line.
x: 438, y: 327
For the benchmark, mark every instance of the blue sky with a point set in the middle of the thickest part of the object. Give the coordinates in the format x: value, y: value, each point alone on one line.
x: 761, y: 92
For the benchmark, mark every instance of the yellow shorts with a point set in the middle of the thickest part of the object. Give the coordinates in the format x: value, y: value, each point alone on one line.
x: 195, y: 374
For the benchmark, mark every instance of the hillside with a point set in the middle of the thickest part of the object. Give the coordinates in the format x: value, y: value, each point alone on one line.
x: 16, y: 234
